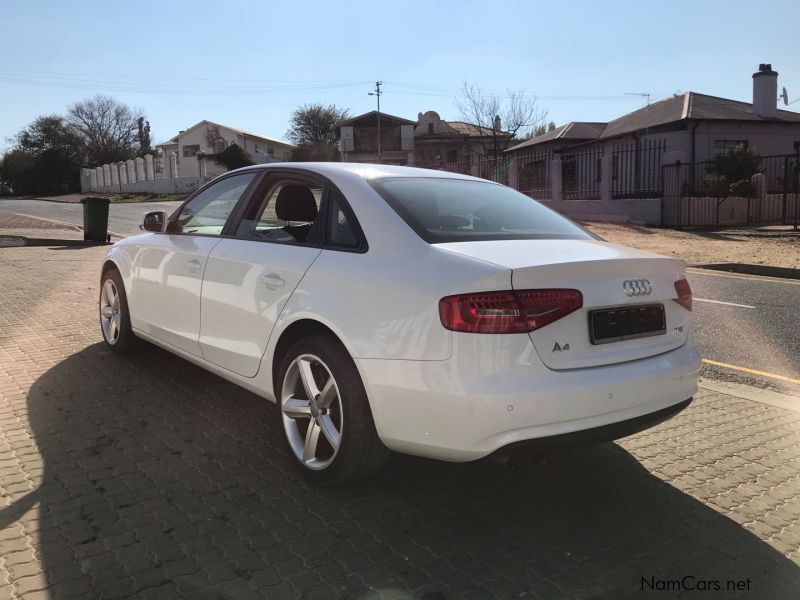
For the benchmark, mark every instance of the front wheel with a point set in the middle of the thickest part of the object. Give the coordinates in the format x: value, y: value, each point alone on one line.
x: 324, y: 413
x: 115, y: 321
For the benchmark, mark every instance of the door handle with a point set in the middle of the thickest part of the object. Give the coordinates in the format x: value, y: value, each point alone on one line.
x: 272, y: 281
x: 193, y: 265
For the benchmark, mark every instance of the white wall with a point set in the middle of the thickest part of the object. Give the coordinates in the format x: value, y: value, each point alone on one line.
x: 766, y: 139
x: 180, y: 185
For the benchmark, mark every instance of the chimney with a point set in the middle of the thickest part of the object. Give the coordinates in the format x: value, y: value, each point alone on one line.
x: 765, y: 92
x: 498, y: 123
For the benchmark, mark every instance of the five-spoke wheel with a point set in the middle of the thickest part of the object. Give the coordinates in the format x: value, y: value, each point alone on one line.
x: 324, y: 412
x: 312, y: 411
x: 115, y: 320
x: 110, y: 318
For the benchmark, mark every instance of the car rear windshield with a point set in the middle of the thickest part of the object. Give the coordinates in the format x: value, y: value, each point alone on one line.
x: 461, y: 210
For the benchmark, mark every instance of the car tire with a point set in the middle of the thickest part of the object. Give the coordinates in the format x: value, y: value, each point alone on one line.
x: 332, y: 439
x: 115, y: 320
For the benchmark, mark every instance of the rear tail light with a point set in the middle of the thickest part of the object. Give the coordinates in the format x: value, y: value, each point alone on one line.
x: 684, y: 294
x: 517, y: 311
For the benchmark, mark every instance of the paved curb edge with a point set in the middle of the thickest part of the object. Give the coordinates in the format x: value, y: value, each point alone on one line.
x: 752, y: 393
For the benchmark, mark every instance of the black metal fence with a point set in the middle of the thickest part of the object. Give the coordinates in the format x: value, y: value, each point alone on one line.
x: 461, y: 166
x: 738, y: 189
x: 581, y: 174
x: 636, y: 169
x: 534, y: 175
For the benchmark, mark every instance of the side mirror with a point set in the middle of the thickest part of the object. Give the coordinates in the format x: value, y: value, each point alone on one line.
x: 154, y: 221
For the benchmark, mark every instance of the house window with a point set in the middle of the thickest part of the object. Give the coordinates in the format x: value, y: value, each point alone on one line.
x: 191, y: 150
x: 452, y: 156
x: 430, y: 127
x: 270, y: 151
x: 725, y: 146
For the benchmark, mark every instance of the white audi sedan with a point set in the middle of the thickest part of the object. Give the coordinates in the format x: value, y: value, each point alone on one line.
x: 392, y: 308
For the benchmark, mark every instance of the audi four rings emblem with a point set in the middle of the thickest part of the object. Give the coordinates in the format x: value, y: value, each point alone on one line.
x: 637, y: 287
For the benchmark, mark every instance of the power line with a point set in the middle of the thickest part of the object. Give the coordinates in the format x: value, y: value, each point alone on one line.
x: 220, y: 86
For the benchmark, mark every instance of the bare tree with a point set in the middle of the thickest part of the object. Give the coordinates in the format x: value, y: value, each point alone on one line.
x: 108, y: 129
x: 500, y: 118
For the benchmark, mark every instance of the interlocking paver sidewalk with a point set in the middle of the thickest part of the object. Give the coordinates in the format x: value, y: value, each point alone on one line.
x: 146, y: 477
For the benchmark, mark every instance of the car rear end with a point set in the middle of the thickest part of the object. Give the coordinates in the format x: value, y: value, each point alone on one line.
x: 588, y: 342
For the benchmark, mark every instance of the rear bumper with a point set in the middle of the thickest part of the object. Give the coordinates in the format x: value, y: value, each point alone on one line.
x: 588, y: 437
x: 494, y: 392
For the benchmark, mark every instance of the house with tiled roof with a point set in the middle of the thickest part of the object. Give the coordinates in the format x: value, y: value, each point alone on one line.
x: 207, y: 137
x: 438, y: 143
x: 430, y: 141
x: 693, y: 127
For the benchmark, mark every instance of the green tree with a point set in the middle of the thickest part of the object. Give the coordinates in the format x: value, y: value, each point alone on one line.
x: 143, y: 136
x: 729, y: 174
x: 314, y: 129
x: 233, y: 157
x: 46, y: 158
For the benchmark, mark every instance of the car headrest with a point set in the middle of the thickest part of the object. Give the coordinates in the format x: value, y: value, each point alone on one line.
x: 296, y: 202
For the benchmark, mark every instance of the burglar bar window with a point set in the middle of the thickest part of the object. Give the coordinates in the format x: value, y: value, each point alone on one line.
x: 725, y: 146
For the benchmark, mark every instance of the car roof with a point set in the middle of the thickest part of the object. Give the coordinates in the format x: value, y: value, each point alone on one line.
x: 364, y: 171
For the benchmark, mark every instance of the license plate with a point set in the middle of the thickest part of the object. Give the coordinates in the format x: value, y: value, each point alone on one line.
x: 618, y: 324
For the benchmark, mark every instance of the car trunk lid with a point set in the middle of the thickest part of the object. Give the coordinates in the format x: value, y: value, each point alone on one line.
x: 599, y: 270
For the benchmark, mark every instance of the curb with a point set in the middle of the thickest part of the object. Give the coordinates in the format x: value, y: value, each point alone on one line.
x: 71, y: 226
x: 751, y: 393
x: 17, y: 241
x: 747, y: 269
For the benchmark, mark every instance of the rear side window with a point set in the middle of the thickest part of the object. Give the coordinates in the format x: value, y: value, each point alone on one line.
x: 460, y: 210
x: 341, y: 233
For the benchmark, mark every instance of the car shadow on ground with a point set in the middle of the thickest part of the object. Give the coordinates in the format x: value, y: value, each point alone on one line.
x: 163, y: 480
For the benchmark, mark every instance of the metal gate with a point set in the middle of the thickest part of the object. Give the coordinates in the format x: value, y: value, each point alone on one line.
x: 759, y: 191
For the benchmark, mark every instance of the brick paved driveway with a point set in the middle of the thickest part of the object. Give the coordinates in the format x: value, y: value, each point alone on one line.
x: 146, y: 477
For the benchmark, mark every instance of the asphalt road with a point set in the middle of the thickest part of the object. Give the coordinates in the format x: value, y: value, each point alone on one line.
x: 123, y: 217
x: 748, y: 322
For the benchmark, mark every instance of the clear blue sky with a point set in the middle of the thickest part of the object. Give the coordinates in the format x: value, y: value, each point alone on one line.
x: 249, y: 64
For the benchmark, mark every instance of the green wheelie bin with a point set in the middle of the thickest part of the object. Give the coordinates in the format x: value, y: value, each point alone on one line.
x: 95, y: 219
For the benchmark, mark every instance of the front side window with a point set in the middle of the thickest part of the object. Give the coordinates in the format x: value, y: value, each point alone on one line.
x: 191, y: 150
x: 287, y: 213
x: 206, y: 213
x: 459, y: 210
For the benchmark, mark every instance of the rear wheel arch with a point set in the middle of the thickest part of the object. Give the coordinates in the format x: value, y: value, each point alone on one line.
x: 300, y: 329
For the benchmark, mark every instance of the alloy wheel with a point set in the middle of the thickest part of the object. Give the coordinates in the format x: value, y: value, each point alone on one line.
x: 110, y: 316
x: 311, y: 408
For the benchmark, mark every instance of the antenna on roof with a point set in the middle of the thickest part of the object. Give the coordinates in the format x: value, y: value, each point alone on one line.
x: 784, y: 96
x: 640, y: 94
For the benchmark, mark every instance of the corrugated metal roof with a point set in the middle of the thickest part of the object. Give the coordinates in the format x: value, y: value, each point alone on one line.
x: 574, y: 130
x: 690, y: 105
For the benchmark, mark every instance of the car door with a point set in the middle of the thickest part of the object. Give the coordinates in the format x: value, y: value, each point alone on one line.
x: 249, y: 277
x: 168, y: 270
